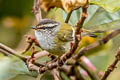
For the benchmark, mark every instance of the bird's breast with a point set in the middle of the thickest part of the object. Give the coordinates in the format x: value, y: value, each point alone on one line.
x: 46, y: 41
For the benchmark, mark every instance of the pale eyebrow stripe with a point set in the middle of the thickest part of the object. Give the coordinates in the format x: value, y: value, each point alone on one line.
x: 47, y: 27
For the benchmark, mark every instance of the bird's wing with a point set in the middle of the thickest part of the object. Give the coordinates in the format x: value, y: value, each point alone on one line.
x: 66, y: 35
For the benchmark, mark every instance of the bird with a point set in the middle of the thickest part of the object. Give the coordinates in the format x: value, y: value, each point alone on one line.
x: 55, y: 37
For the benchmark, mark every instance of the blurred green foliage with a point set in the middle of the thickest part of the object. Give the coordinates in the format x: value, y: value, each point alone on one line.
x: 100, y: 19
x: 15, y: 20
x: 108, y: 5
x: 17, y: 8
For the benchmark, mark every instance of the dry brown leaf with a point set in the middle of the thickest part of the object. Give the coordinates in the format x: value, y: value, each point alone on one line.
x: 47, y: 4
x: 70, y: 5
x: 67, y: 5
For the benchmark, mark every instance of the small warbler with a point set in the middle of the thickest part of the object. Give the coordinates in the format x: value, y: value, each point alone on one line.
x: 55, y: 37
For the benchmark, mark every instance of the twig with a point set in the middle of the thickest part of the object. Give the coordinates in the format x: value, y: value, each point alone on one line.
x: 77, y: 32
x: 11, y: 51
x: 68, y: 54
x: 31, y: 61
x: 66, y: 69
x: 30, y: 42
x: 72, y: 77
x: 68, y: 17
x: 41, y: 54
x: 72, y: 70
x: 37, y: 11
x: 56, y: 74
x: 112, y: 66
x: 8, y: 51
x: 4, y: 52
x: 86, y: 65
x: 97, y: 43
x: 82, y: 51
x: 91, y: 73
x: 79, y: 76
x: 27, y: 48
x: 35, y: 55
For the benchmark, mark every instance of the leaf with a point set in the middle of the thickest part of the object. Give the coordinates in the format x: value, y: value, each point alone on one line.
x: 67, y: 5
x: 46, y: 76
x: 96, y: 16
x: 70, y: 5
x: 23, y: 77
x: 55, y: 14
x: 47, y: 4
x: 100, y: 61
x: 11, y: 67
x: 99, y: 19
x: 64, y: 76
x: 108, y: 5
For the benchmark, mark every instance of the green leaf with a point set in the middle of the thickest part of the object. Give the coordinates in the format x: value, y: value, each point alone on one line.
x: 46, y: 76
x: 99, y: 19
x: 108, y: 5
x: 10, y: 67
x: 64, y: 76
x: 96, y: 16
x: 23, y: 77
x: 55, y: 14
x: 100, y: 61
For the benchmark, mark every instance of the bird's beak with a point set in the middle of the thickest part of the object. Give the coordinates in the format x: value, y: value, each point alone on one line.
x: 34, y: 27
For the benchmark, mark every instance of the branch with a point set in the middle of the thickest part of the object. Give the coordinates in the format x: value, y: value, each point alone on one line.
x: 55, y: 73
x: 78, y: 74
x: 6, y: 50
x: 31, y: 61
x: 112, y: 66
x: 86, y: 65
x: 97, y: 43
x: 72, y: 70
x: 91, y: 73
x: 37, y: 11
x: 82, y: 52
x: 68, y: 54
x: 30, y: 40
x: 68, y: 17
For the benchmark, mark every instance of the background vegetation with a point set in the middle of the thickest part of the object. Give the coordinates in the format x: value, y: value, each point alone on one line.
x: 16, y: 20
